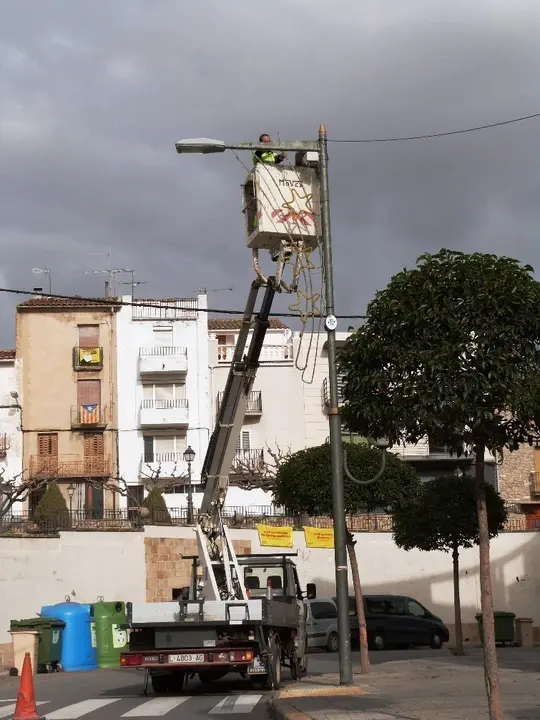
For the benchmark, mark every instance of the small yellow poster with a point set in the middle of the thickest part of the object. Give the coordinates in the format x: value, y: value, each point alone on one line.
x: 270, y: 536
x: 319, y: 537
x: 90, y: 356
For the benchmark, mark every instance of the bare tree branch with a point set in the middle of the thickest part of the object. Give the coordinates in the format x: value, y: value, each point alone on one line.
x: 16, y: 490
x: 250, y: 473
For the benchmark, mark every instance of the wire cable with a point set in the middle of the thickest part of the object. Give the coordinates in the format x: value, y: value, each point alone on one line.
x: 440, y: 134
x: 114, y: 302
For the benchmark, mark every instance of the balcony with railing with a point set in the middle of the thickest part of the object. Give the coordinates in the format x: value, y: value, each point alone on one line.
x: 87, y: 358
x: 70, y: 466
x: 88, y: 416
x: 165, y: 465
x: 160, y: 360
x: 173, y: 309
x: 173, y: 412
x: 279, y: 354
x: 254, y: 403
x: 248, y: 461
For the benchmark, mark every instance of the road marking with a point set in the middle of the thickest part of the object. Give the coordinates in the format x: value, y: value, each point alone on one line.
x: 235, y: 705
x: 6, y: 710
x: 77, y: 710
x: 156, y: 706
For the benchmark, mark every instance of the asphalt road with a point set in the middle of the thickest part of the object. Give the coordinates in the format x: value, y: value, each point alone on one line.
x: 114, y: 694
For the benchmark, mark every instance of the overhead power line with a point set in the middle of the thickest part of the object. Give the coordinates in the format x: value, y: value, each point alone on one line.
x: 501, y: 123
x: 113, y: 302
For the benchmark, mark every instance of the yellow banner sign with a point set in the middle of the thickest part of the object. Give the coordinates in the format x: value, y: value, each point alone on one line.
x: 270, y: 536
x: 319, y: 537
x: 89, y: 356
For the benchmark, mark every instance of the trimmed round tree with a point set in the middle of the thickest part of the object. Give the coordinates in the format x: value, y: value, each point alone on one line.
x: 304, y: 486
x: 443, y: 517
x: 451, y: 350
x: 52, y: 510
x: 158, y: 513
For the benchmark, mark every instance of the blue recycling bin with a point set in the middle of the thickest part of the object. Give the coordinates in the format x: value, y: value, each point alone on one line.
x: 79, y: 651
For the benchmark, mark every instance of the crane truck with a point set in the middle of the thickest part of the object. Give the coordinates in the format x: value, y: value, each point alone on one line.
x: 248, y: 615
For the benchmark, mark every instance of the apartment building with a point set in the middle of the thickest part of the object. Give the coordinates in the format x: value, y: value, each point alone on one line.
x: 10, y: 419
x: 66, y: 350
x: 163, y: 395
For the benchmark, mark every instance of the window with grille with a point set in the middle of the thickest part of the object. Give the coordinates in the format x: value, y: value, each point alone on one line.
x: 88, y: 336
x: 244, y: 440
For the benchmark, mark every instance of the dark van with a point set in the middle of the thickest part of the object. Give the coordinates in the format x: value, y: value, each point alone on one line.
x: 392, y: 620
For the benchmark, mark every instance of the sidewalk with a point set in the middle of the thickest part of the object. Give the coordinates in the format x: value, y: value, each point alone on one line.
x: 443, y: 689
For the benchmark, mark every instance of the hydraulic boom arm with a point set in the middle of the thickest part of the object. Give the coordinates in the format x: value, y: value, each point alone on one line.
x: 222, y: 574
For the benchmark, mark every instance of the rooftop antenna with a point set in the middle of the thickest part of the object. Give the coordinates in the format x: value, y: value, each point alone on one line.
x: 44, y: 271
x: 132, y: 282
x: 205, y: 290
x: 112, y: 274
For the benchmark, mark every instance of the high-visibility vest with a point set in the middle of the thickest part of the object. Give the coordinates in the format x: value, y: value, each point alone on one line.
x: 267, y: 157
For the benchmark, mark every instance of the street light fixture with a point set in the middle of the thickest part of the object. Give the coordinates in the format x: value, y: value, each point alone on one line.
x: 205, y: 146
x: 71, y: 492
x: 189, y: 457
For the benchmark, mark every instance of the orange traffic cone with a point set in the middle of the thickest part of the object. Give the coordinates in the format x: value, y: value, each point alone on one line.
x: 26, y: 708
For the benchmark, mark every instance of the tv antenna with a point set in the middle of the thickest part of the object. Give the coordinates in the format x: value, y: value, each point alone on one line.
x: 112, y: 274
x: 205, y: 291
x: 132, y: 282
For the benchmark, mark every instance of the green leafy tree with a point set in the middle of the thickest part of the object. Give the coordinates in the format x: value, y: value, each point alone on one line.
x: 451, y: 350
x: 52, y: 510
x: 443, y: 517
x: 303, y: 485
x: 157, y: 512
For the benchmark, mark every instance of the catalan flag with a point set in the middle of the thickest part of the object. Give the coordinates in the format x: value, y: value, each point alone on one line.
x: 89, y: 414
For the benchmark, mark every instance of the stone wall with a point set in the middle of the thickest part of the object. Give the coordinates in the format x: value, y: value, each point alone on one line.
x: 166, y: 569
x: 515, y: 475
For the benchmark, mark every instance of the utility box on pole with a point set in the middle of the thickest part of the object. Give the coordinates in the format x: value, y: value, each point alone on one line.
x: 281, y: 203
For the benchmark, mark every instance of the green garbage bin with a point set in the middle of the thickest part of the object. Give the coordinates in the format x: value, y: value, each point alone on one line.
x: 504, y: 627
x: 111, y: 639
x: 50, y: 640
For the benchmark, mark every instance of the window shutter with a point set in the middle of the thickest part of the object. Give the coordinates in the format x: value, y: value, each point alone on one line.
x: 148, y: 448
x: 88, y: 336
x: 48, y: 445
x: 88, y: 392
x: 244, y: 440
x: 93, y: 445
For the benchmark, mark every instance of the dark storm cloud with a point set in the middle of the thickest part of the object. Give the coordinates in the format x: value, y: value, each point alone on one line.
x: 93, y: 96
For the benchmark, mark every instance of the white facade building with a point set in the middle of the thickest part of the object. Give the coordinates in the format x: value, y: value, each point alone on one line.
x: 10, y: 422
x: 163, y: 393
x: 286, y: 410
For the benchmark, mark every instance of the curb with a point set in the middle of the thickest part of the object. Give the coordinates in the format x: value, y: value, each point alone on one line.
x: 286, y: 712
x: 280, y: 709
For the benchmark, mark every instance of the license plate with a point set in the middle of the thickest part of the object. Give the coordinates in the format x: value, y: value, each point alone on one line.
x: 256, y: 667
x: 199, y: 658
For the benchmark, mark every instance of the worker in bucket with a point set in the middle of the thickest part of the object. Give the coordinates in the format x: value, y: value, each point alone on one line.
x: 267, y: 156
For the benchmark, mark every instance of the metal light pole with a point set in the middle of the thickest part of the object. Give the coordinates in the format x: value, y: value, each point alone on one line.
x: 189, y: 457
x: 206, y: 146
x: 71, y: 492
x: 336, y: 449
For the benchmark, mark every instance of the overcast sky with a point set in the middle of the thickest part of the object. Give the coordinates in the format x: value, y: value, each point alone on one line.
x: 94, y: 94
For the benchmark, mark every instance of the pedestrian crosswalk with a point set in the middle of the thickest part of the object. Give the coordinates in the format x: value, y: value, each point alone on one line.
x: 142, y: 707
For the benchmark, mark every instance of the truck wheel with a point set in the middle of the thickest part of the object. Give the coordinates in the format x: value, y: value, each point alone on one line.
x: 160, y: 683
x: 274, y: 674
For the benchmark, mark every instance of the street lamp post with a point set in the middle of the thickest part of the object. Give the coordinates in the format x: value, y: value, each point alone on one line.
x: 189, y: 457
x: 206, y: 146
x: 71, y: 493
